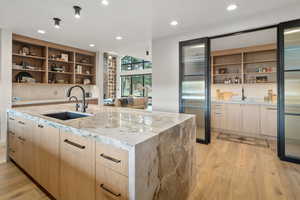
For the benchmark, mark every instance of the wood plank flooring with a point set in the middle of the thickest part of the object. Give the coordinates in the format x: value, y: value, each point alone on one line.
x: 227, y: 171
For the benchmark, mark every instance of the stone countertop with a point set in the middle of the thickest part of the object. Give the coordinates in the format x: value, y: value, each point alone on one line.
x: 122, y: 127
x: 45, y: 101
x: 263, y: 103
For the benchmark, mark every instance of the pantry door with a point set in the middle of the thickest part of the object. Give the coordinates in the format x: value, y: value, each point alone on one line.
x: 289, y: 91
x: 194, y: 87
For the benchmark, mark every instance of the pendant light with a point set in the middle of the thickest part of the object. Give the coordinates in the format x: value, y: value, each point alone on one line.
x: 56, y: 22
x: 77, y: 10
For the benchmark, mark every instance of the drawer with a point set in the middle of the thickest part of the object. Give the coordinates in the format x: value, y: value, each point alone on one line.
x: 12, y: 145
x: 70, y: 141
x: 110, y: 185
x: 11, y: 123
x: 112, y: 157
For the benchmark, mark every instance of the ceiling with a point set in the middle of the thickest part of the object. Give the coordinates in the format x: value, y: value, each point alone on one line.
x: 137, y: 21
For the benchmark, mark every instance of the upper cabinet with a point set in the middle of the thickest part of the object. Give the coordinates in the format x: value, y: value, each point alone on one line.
x: 249, y: 65
x: 36, y: 61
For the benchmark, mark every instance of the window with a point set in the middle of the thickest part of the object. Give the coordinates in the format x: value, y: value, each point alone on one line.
x: 136, y: 85
x: 126, y: 86
x: 129, y: 63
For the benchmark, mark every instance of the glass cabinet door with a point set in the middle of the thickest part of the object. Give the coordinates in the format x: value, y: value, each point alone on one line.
x: 194, y: 84
x: 289, y: 92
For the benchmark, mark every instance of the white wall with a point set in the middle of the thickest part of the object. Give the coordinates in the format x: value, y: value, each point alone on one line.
x: 5, y: 80
x: 165, y: 54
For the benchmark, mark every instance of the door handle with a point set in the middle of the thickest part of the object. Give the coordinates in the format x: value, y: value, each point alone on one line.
x: 109, y: 191
x: 20, y: 122
x: 40, y: 126
x: 74, y: 144
x: 110, y: 158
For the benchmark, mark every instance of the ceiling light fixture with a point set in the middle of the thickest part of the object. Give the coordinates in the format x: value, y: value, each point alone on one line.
x: 119, y: 38
x: 291, y: 31
x: 41, y: 31
x: 105, y: 2
x: 77, y: 11
x: 57, y: 22
x: 92, y: 45
x: 231, y: 7
x: 174, y: 23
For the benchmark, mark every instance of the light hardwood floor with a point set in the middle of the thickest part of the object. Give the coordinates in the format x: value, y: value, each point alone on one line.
x: 227, y: 171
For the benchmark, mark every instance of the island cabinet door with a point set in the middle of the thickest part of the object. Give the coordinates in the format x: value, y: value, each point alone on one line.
x: 77, y: 158
x: 12, y: 147
x: 251, y: 119
x: 46, y: 157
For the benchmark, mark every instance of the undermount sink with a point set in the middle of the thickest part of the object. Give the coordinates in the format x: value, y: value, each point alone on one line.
x: 67, y: 115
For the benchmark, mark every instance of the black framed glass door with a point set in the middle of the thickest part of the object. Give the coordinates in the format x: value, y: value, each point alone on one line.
x: 194, y: 87
x: 289, y: 91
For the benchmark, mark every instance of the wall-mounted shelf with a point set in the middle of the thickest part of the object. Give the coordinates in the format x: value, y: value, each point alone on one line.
x: 250, y: 65
x: 52, y: 63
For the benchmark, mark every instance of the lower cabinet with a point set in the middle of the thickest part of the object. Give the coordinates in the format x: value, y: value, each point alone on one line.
x: 111, y: 172
x: 46, y: 157
x: 110, y: 185
x: 233, y: 117
x: 250, y: 118
x: 269, y: 121
x: 77, y: 167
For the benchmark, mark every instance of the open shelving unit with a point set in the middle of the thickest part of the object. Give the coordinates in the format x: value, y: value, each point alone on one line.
x: 250, y: 65
x: 50, y: 63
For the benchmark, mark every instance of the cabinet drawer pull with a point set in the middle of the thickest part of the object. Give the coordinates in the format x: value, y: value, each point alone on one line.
x: 12, y: 133
x: 40, y: 126
x: 108, y: 190
x: 21, y: 138
x: 11, y: 119
x: 74, y: 144
x: 11, y: 150
x: 20, y: 122
x: 271, y: 108
x: 110, y: 158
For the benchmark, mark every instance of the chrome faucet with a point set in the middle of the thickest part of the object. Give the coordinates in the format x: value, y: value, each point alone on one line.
x: 84, y: 105
x: 243, y: 95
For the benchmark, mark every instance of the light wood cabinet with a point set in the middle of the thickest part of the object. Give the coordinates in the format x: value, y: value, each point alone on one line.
x: 218, y: 116
x: 46, y: 157
x: 110, y: 185
x: 269, y: 121
x: 77, y: 159
x: 233, y: 117
x: 12, y: 141
x: 250, y: 118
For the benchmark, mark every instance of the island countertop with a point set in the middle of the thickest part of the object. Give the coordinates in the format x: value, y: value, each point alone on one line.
x: 123, y: 127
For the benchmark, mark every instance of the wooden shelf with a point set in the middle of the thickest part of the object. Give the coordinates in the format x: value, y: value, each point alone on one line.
x: 226, y: 64
x: 259, y: 61
x: 52, y: 50
x: 29, y: 70
x: 60, y: 61
x: 28, y: 56
x: 69, y: 73
x: 254, y: 73
x: 234, y: 74
x: 85, y: 64
x: 85, y: 74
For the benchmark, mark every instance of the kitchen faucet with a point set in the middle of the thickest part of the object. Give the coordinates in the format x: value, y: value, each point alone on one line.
x: 77, y: 102
x: 84, y: 105
x: 243, y: 95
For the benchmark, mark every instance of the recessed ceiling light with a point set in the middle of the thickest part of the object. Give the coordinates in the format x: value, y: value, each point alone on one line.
x: 292, y: 31
x: 174, y: 23
x: 105, y: 2
x: 41, y: 31
x: 119, y: 38
x: 92, y: 45
x: 77, y: 10
x: 231, y: 7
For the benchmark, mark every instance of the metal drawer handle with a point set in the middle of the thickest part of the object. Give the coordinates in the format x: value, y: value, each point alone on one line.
x: 40, y: 126
x: 108, y: 190
x: 12, y: 133
x: 11, y: 150
x: 21, y: 138
x: 11, y: 119
x: 271, y: 108
x: 20, y: 122
x: 110, y: 158
x: 74, y: 144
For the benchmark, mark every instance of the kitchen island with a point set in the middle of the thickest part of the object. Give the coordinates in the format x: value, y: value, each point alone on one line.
x: 112, y: 153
